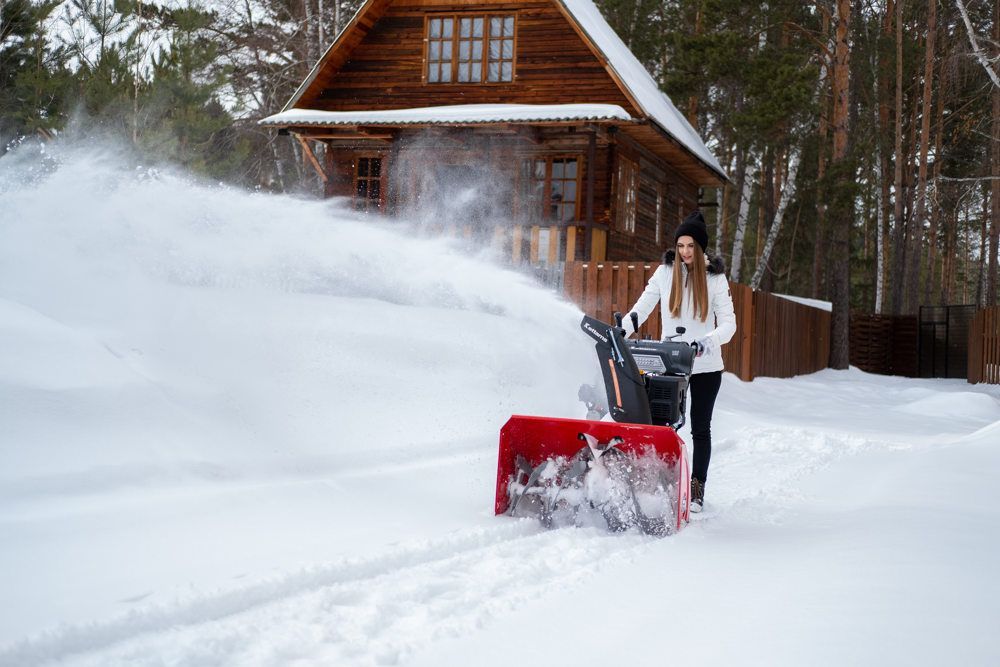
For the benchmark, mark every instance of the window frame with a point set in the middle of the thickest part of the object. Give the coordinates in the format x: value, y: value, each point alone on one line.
x: 379, y: 205
x: 543, y: 216
x: 627, y: 176
x: 455, y: 42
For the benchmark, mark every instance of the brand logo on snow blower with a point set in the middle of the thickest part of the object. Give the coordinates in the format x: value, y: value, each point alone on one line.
x: 594, y: 331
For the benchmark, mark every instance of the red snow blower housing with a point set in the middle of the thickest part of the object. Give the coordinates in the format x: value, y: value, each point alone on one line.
x: 624, y: 466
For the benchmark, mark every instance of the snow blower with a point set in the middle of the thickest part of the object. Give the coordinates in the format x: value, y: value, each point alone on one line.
x: 624, y: 466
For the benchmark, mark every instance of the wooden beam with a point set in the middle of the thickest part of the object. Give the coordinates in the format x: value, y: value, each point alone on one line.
x: 591, y: 173
x: 311, y: 157
x: 384, y: 139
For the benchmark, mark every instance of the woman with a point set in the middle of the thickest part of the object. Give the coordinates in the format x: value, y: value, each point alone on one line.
x: 694, y: 293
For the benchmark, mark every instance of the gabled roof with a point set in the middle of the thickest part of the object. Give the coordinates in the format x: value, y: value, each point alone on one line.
x: 626, y: 70
x: 339, y: 51
x: 636, y: 82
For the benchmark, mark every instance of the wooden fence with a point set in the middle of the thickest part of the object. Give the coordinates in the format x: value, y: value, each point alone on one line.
x: 984, y: 346
x: 774, y: 337
x: 885, y: 344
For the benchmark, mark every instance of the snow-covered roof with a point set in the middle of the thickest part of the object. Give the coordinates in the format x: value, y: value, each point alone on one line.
x: 459, y: 113
x: 636, y: 78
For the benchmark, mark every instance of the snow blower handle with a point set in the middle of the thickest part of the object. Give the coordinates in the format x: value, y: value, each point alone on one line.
x: 634, y: 316
x: 618, y: 320
x: 680, y: 332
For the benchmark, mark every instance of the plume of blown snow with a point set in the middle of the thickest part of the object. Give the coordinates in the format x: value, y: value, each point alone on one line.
x: 153, y: 321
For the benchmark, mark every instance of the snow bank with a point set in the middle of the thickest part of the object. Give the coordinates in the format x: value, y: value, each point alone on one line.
x: 184, y: 368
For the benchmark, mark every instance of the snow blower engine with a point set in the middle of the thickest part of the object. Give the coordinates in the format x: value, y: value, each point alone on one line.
x: 624, y: 465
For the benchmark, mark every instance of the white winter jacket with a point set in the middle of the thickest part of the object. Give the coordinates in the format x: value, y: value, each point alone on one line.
x: 721, y: 321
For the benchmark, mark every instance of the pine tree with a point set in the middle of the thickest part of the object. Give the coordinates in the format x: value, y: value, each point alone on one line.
x: 185, y: 122
x: 34, y: 80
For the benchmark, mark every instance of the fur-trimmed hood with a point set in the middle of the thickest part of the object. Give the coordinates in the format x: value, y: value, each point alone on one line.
x: 714, y: 265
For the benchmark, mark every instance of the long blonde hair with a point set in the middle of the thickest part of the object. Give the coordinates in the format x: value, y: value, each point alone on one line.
x: 696, y: 285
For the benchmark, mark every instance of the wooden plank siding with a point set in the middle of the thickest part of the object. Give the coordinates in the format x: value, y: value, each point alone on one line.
x: 415, y: 152
x: 984, y: 347
x: 552, y: 65
x: 775, y: 337
x: 680, y: 197
x: 379, y: 64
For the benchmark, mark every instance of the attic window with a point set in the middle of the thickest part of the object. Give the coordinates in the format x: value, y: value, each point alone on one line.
x: 470, y: 49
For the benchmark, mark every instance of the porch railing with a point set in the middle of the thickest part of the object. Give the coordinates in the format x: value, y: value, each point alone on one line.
x: 544, y: 244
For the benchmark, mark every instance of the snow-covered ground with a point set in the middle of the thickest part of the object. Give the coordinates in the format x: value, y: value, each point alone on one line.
x: 250, y: 430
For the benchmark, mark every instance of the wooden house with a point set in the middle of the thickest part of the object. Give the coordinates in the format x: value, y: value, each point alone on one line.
x: 528, y: 122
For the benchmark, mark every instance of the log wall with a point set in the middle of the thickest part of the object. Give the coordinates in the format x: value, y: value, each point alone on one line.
x: 553, y: 65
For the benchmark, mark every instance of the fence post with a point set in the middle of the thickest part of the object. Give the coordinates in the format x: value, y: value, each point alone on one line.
x: 974, y: 374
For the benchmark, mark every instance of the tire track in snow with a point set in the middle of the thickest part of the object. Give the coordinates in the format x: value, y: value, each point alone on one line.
x: 374, y: 610
x: 757, y: 471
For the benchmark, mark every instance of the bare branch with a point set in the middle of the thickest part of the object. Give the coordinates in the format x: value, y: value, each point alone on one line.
x: 975, y: 45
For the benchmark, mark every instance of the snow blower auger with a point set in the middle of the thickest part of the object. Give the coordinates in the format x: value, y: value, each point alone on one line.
x: 627, y: 473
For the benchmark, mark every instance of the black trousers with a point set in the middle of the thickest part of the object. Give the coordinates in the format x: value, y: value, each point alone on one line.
x: 702, y: 391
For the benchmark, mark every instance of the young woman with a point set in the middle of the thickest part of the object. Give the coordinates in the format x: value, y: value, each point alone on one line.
x: 693, y: 293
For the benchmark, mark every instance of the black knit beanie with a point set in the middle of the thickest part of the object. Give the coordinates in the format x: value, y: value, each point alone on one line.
x: 694, y: 226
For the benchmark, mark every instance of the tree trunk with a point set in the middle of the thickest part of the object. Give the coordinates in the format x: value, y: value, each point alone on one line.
x: 884, y: 176
x: 692, y: 104
x: 976, y: 51
x: 741, y: 221
x: 965, y: 257
x: 935, y: 202
x: 722, y: 220
x: 312, y: 50
x: 791, y: 251
x: 991, y: 292
x: 772, y: 236
x: 920, y: 216
x: 983, y: 239
x: 914, y: 230
x: 880, y: 234
x: 320, y: 25
x: 840, y: 268
x: 738, y: 192
x: 722, y: 223
x: 819, y: 246
x: 950, y: 234
x: 899, y: 226
x: 764, y: 208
